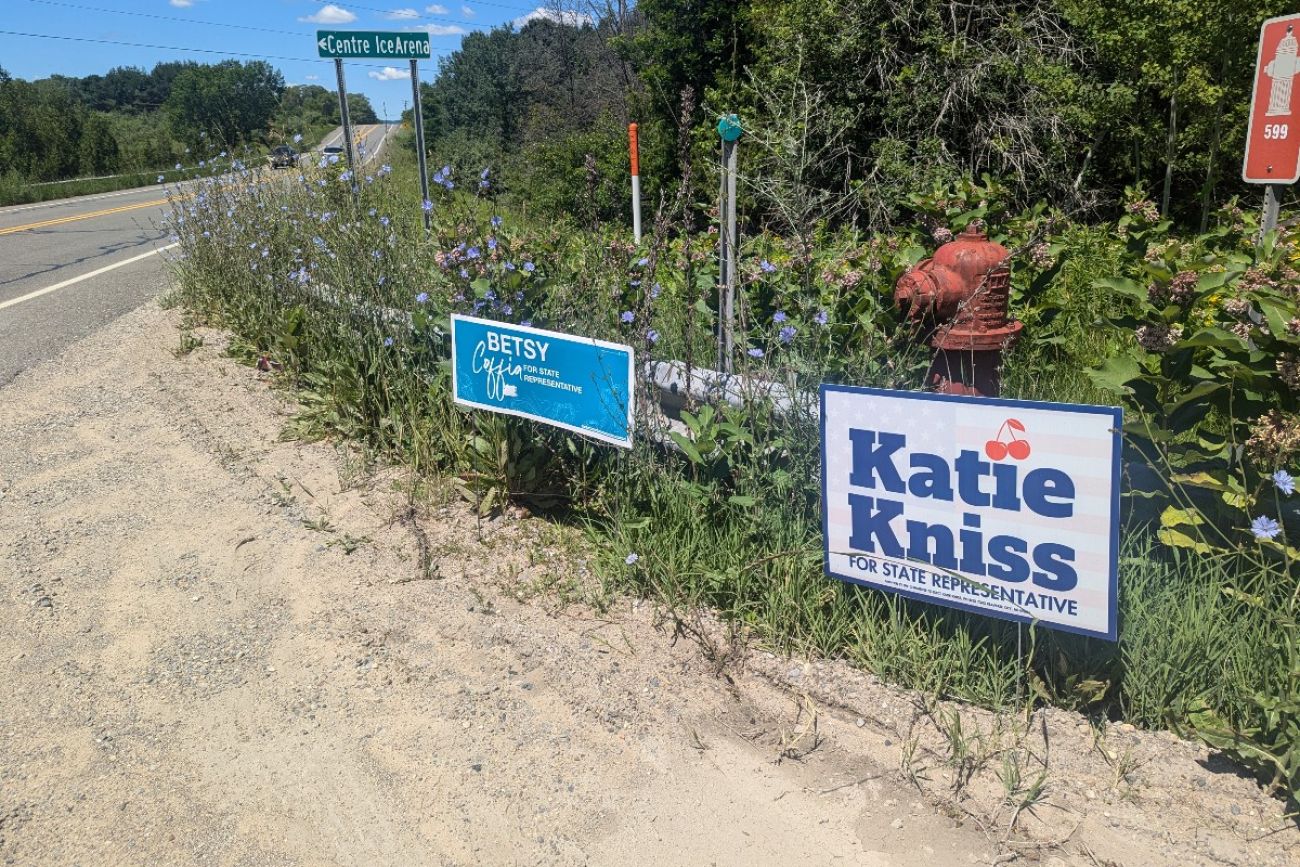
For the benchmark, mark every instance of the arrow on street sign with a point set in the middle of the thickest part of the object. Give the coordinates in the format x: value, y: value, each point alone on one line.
x: 373, y: 44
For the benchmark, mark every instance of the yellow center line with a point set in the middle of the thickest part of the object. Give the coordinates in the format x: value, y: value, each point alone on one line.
x: 55, y: 222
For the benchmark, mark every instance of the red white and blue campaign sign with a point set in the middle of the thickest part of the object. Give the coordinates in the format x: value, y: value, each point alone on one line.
x: 576, y: 383
x: 1002, y: 507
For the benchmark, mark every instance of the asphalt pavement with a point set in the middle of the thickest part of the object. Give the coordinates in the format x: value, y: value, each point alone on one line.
x: 70, y: 266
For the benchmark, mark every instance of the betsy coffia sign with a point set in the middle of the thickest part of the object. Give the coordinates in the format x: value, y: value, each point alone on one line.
x: 1001, y: 507
x: 369, y: 43
x: 576, y: 383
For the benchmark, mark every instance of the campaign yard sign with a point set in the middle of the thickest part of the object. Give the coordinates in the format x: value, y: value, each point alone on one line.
x: 576, y: 383
x: 1002, y: 507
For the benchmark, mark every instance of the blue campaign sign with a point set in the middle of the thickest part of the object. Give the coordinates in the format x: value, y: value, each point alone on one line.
x: 1008, y: 508
x: 576, y: 383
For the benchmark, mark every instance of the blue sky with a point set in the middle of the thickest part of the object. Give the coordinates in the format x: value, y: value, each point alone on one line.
x: 283, y: 29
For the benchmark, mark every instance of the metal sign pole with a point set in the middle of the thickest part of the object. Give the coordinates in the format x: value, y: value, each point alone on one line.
x: 1268, y: 222
x: 419, y: 145
x: 343, y: 113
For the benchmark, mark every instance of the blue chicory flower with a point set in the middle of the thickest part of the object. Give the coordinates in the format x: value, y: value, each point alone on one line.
x: 160, y: 179
x: 822, y: 317
x: 766, y: 267
x: 422, y: 298
x: 495, y: 221
x: 385, y: 169
x: 426, y: 205
x: 472, y: 253
x: 1284, y: 481
x: 297, y: 137
x: 779, y: 316
x: 388, y: 341
x: 786, y: 334
x: 492, y: 243
x: 652, y: 335
x: 756, y: 353
x: 631, y: 559
x: 627, y: 316
x: 530, y: 267
x: 384, y: 221
x: 1264, y: 527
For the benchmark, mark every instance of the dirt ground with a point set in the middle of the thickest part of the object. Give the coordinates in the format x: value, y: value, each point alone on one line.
x: 219, y: 648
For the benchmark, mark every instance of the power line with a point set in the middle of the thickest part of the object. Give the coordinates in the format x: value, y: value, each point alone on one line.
x: 198, y: 50
x: 162, y: 17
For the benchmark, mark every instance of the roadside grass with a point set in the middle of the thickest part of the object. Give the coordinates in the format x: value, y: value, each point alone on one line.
x: 15, y: 190
x: 306, y: 273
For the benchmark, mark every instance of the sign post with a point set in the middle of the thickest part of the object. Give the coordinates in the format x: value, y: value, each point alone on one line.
x: 1005, y: 508
x: 419, y: 147
x: 343, y: 114
x: 1273, y: 135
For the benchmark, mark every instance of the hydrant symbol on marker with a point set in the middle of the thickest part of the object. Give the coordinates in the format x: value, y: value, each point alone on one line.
x: 1017, y: 448
x: 1282, y: 69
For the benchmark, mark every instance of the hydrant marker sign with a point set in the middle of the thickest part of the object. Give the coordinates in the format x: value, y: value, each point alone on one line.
x: 1006, y: 508
x: 576, y: 383
x: 1273, y: 135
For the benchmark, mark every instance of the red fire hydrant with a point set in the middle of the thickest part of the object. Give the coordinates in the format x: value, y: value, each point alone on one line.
x: 962, y: 294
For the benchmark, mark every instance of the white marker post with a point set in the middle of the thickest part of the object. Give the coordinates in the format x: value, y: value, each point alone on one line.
x: 636, y: 181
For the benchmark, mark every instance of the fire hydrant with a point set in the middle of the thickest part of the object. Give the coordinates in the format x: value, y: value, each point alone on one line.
x: 962, y: 294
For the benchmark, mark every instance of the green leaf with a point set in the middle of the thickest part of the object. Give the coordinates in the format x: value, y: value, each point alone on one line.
x: 1179, y: 539
x: 740, y: 500
x: 687, y: 447
x: 1115, y: 374
x: 1122, y: 286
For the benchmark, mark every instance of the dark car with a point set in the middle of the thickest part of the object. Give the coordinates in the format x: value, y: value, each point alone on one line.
x: 332, y: 149
x: 284, y: 157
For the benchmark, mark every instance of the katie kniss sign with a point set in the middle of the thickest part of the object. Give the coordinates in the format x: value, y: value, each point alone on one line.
x: 1001, y: 507
x: 575, y: 383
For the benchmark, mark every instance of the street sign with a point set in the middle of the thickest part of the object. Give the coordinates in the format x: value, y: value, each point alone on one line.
x: 576, y: 383
x: 373, y: 44
x: 1007, y: 508
x: 1273, y: 137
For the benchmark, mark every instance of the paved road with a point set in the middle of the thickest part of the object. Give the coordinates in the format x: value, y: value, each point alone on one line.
x: 70, y: 266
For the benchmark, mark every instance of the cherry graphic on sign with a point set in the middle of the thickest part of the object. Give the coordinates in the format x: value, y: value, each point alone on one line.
x: 996, y: 449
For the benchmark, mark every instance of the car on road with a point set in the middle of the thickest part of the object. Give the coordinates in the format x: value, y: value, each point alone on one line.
x: 332, y: 149
x: 284, y: 157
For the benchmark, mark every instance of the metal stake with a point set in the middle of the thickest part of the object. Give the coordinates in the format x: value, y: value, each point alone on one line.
x: 634, y: 148
x: 343, y: 114
x: 1269, y: 220
x: 419, y: 147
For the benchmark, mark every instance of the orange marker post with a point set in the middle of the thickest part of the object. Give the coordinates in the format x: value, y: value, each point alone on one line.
x: 636, y: 182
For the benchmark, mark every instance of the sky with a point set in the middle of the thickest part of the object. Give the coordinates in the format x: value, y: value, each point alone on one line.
x: 279, y: 31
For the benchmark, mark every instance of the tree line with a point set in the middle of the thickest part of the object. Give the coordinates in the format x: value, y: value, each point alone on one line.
x: 860, y: 104
x: 129, y: 120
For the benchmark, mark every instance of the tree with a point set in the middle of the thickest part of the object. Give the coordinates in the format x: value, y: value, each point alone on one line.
x: 227, y: 103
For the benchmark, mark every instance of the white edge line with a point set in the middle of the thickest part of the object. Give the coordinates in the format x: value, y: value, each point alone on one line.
x: 57, y: 286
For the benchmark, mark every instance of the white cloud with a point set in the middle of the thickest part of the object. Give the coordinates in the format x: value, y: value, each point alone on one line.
x: 390, y: 73
x: 181, y: 4
x: 467, y: 12
x: 330, y: 14
x: 438, y: 29
x: 557, y: 16
x: 436, y: 9
x: 401, y: 14
x: 312, y: 77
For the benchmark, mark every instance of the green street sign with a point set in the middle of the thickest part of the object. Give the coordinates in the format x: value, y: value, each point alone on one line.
x: 372, y: 44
